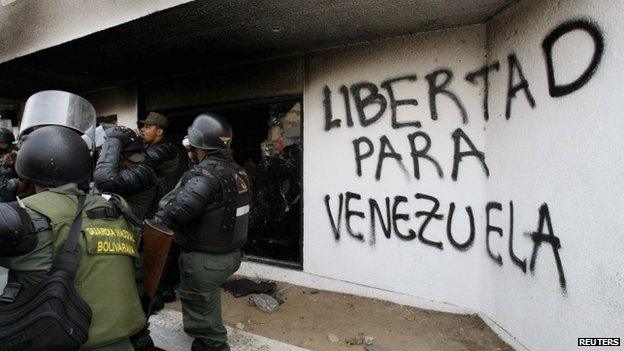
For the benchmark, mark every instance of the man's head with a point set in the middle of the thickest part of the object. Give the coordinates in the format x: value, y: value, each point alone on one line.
x: 153, y: 128
x: 51, y: 156
x: 208, y: 133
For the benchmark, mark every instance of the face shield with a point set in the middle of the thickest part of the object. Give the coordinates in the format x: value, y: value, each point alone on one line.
x: 55, y: 107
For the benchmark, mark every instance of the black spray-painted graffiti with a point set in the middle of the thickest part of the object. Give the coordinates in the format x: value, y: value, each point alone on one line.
x: 340, y: 211
x: 367, y: 94
x: 371, y: 104
x: 557, y: 90
x: 364, y: 148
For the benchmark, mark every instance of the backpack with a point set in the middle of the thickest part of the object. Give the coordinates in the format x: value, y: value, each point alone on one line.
x: 50, y: 315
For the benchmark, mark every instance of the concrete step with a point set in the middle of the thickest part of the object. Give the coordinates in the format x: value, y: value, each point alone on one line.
x: 168, y: 334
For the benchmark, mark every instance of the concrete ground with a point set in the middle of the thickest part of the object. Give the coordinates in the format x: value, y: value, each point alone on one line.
x: 319, y: 320
x: 167, y: 333
x: 327, y: 321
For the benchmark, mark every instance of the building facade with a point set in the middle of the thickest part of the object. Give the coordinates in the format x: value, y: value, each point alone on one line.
x: 465, y: 167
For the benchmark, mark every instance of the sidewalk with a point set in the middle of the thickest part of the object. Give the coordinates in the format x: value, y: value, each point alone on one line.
x: 326, y: 321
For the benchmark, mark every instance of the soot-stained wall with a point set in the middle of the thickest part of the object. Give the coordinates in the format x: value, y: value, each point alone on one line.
x: 478, y: 167
x: 120, y: 100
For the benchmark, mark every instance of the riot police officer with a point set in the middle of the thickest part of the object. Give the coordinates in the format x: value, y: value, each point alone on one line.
x: 208, y: 211
x: 57, y: 134
x: 120, y: 170
x: 57, y: 161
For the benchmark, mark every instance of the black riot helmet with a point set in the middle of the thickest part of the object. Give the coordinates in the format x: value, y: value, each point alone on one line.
x: 6, y: 136
x: 210, y: 131
x: 52, y: 156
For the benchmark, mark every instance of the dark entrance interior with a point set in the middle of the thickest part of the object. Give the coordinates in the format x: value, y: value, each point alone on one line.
x: 268, y: 144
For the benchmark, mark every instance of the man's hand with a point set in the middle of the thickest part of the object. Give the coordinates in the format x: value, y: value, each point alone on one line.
x: 118, y: 132
x: 123, y: 134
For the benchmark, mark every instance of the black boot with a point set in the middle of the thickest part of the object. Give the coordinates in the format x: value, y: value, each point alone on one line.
x: 168, y: 295
x: 200, y: 344
x: 142, y: 341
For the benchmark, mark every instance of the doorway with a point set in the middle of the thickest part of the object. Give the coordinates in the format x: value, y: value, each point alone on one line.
x: 268, y: 143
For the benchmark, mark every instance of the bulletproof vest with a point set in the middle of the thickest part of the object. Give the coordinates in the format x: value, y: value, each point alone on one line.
x: 105, y: 275
x: 222, y: 227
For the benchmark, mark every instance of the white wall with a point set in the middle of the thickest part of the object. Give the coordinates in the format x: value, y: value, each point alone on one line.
x: 403, y: 266
x: 566, y: 152
x: 119, y: 100
x: 563, y: 154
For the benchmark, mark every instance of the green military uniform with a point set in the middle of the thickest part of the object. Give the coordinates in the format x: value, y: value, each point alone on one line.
x: 201, y: 276
x: 105, y: 275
